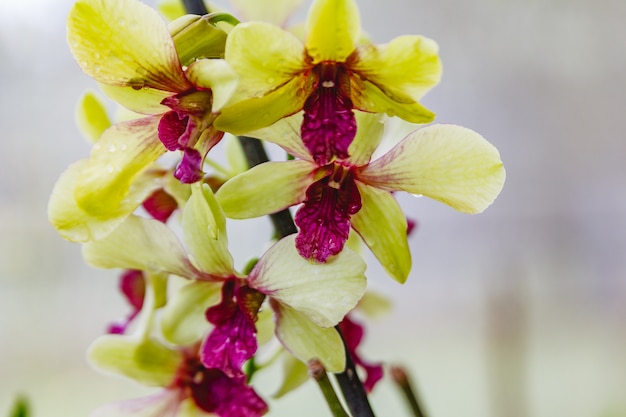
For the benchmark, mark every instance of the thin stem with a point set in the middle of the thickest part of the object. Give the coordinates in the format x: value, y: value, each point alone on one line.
x: 352, y: 387
x: 401, y: 379
x: 317, y: 372
x: 195, y: 7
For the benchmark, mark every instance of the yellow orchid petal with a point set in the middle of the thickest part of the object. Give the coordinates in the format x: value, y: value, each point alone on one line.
x: 92, y: 117
x: 145, y: 101
x: 306, y: 340
x: 406, y: 67
x: 368, y: 97
x: 448, y: 163
x: 382, y: 225
x: 333, y: 28
x: 325, y: 293
x: 295, y: 373
x: 256, y: 113
x: 370, y: 128
x: 286, y: 134
x: 204, y: 226
x: 143, y: 360
x: 77, y: 225
x: 217, y: 75
x: 266, y: 188
x: 140, y: 243
x: 124, y: 43
x: 121, y: 154
x: 265, y: 57
x: 182, y: 320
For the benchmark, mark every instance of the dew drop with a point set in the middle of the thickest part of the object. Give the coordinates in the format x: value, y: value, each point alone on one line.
x: 136, y: 84
x: 112, y: 148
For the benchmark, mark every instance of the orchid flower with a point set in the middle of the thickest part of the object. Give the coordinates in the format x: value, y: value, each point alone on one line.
x: 307, y: 299
x: 448, y: 163
x: 327, y: 76
x: 128, y: 49
x: 189, y: 387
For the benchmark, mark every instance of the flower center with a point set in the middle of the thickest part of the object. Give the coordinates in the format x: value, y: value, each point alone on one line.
x: 329, y: 126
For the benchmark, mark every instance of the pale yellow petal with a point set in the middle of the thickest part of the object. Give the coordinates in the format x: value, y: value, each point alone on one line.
x: 122, y: 153
x: 448, y: 163
x: 382, y: 225
x: 271, y: 11
x: 265, y: 189
x: 333, y: 28
x: 92, y: 117
x: 124, y: 43
x: 217, y: 75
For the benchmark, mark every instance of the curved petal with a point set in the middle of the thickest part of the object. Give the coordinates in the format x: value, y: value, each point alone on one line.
x: 265, y: 57
x: 143, y: 101
x: 204, y: 226
x: 408, y: 66
x: 369, y: 133
x: 382, y: 225
x: 124, y: 43
x: 92, y: 117
x: 325, y: 293
x: 333, y: 28
x: 122, y: 153
x: 217, y: 75
x: 274, y: 11
x: 286, y: 134
x: 164, y: 403
x: 256, y: 113
x: 295, y: 373
x: 143, y: 244
x: 182, y: 321
x: 368, y: 97
x: 77, y: 225
x: 448, y: 163
x: 144, y: 360
x: 306, y: 340
x: 266, y: 188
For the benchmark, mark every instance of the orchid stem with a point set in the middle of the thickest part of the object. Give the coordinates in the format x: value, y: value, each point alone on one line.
x: 400, y: 377
x: 195, y: 7
x: 317, y: 372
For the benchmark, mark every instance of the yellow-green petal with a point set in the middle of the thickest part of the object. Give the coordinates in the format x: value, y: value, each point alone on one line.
x: 204, y: 226
x: 117, y: 159
x: 92, y: 117
x: 286, y: 134
x: 382, y: 225
x: 143, y: 101
x: 306, y: 340
x: 333, y: 28
x: 124, y: 43
x: 139, y: 243
x: 448, y: 163
x: 217, y: 75
x: 266, y: 188
x: 295, y: 373
x: 325, y: 293
x: 370, y: 98
x: 143, y: 360
x: 79, y: 226
x: 253, y: 114
x: 182, y: 320
x: 370, y: 128
x: 406, y: 67
x: 265, y: 57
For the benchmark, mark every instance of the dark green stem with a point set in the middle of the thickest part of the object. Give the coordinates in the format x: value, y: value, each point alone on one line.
x: 400, y: 377
x: 317, y: 372
x: 195, y: 7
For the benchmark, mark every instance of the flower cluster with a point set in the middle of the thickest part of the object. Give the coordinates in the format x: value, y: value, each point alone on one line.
x: 152, y: 200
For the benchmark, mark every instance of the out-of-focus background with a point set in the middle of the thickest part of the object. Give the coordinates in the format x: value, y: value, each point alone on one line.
x: 517, y: 312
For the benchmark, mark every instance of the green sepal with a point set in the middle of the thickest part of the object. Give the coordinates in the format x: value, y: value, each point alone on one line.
x: 195, y: 38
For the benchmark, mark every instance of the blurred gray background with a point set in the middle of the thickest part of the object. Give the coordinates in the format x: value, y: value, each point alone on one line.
x: 517, y: 312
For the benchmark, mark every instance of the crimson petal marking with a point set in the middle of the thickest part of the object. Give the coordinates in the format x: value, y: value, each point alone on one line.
x: 329, y: 125
x: 171, y: 128
x: 160, y: 205
x: 324, y: 219
x: 189, y: 170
